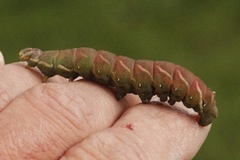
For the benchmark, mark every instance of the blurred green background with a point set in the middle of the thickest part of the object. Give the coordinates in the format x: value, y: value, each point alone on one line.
x: 202, y: 36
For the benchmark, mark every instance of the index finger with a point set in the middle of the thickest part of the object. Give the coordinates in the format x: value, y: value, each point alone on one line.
x: 14, y: 80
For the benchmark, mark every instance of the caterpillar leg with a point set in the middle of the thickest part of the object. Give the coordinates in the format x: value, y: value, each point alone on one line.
x: 120, y: 94
x: 71, y: 78
x: 145, y: 96
x: 163, y: 98
x: 45, y: 78
x: 27, y: 66
x: 171, y: 101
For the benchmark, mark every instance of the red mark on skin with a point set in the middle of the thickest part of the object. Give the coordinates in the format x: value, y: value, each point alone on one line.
x: 129, y: 126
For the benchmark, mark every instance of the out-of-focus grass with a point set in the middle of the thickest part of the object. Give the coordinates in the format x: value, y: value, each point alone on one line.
x: 202, y: 36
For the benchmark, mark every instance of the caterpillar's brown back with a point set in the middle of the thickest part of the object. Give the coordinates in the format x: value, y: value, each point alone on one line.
x: 170, y: 82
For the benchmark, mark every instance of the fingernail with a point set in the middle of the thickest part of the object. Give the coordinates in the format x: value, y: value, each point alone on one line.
x: 2, y: 62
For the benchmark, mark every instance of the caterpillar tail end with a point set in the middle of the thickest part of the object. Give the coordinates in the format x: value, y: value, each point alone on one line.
x: 206, y: 119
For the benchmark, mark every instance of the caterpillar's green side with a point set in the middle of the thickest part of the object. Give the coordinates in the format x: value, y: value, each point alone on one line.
x: 170, y: 82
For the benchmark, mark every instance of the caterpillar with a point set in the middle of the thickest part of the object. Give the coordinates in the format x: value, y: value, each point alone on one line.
x: 145, y: 78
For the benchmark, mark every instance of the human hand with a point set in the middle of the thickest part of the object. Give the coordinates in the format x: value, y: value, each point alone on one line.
x: 83, y: 120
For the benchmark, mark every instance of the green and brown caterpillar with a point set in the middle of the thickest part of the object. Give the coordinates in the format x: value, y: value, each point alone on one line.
x: 168, y: 81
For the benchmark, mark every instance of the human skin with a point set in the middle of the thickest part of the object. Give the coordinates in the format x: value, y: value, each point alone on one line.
x: 2, y: 62
x: 83, y: 120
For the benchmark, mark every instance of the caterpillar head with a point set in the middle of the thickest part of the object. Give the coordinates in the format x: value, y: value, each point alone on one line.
x: 209, y: 110
x: 31, y: 55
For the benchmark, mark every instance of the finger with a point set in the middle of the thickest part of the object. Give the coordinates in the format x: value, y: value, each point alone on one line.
x: 50, y: 118
x: 2, y: 61
x: 144, y: 132
x: 15, y: 79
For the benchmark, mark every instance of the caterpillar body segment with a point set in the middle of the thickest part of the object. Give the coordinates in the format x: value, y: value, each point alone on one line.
x: 170, y: 82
